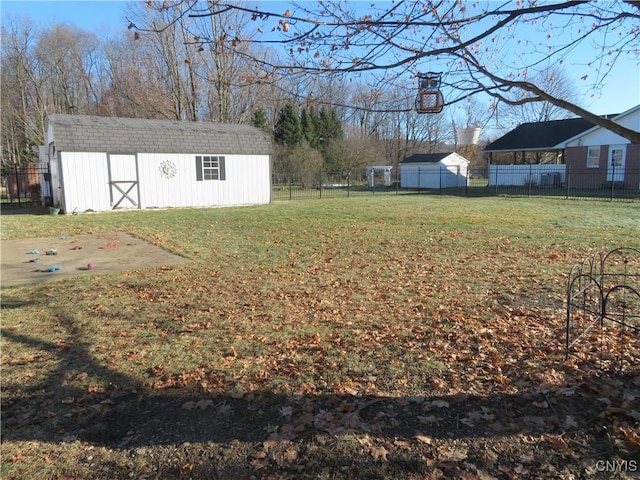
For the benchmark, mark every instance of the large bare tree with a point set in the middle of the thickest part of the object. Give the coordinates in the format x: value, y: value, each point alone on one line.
x: 216, y: 79
x: 494, y: 48
x: 18, y: 132
x: 43, y: 71
x: 556, y: 82
x: 66, y: 60
x: 130, y: 85
x: 164, y: 74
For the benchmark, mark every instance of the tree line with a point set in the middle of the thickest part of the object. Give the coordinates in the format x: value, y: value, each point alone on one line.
x: 65, y: 69
x: 167, y: 71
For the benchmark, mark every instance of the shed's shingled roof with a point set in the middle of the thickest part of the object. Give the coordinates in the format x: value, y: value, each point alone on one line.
x: 84, y: 133
x: 426, y: 157
x: 539, y: 135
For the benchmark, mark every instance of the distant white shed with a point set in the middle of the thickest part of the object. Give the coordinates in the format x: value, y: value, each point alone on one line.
x: 107, y: 163
x: 434, y: 170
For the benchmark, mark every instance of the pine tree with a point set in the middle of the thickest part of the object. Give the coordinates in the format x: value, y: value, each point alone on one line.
x: 260, y: 120
x: 330, y: 127
x: 336, y: 125
x: 309, y: 131
x: 288, y: 128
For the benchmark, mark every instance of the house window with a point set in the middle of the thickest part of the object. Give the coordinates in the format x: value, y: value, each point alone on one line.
x: 616, y: 157
x: 210, y: 167
x: 593, y: 157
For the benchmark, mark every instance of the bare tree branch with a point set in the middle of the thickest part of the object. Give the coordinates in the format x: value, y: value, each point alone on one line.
x: 334, y: 38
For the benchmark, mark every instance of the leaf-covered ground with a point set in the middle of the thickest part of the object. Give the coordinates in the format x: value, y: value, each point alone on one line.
x: 385, y: 337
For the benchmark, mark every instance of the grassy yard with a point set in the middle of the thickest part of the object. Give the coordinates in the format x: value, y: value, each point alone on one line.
x: 373, y: 337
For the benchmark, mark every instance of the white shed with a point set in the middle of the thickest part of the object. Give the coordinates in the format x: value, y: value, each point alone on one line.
x: 434, y: 170
x: 107, y: 163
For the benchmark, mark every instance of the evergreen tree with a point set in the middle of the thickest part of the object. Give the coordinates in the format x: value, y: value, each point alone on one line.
x: 260, y: 120
x: 288, y: 128
x: 330, y: 127
x: 335, y: 125
x: 309, y: 129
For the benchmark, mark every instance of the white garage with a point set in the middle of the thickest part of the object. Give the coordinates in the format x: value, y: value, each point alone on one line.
x: 434, y: 170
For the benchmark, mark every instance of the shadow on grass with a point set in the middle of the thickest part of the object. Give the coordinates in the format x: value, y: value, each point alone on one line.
x: 122, y: 413
x: 176, y: 426
x: 27, y: 209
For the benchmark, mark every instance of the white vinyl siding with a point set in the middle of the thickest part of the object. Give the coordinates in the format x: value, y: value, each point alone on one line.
x: 86, y: 182
x: 247, y: 181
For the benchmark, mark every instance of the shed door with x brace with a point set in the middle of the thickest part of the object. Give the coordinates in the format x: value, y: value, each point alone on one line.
x: 123, y: 181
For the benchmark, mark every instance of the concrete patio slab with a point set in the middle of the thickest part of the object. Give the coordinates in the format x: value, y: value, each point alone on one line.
x: 106, y: 252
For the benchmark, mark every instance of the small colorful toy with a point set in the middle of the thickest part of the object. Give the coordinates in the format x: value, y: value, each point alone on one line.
x: 53, y: 268
x: 90, y: 266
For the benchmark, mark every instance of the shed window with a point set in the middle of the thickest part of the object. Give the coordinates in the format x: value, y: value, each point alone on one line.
x: 210, y: 167
x: 593, y: 157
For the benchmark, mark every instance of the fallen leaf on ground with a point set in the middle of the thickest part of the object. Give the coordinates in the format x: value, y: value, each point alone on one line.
x: 424, y: 439
x: 452, y: 453
x: 260, y: 460
x: 379, y: 453
x: 558, y: 442
x: 186, y: 469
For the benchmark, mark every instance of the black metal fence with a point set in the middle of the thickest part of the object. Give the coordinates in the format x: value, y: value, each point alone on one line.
x: 500, y: 180
x: 28, y: 184
x: 603, y: 309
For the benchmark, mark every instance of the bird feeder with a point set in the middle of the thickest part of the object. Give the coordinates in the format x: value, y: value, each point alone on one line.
x: 429, y: 99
